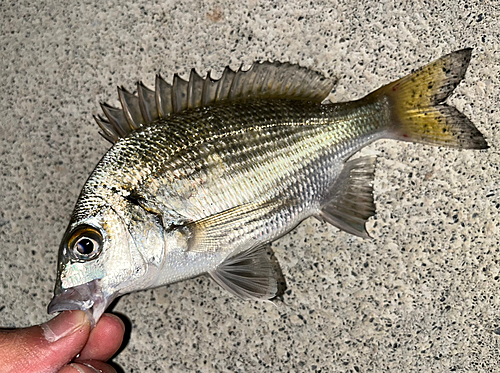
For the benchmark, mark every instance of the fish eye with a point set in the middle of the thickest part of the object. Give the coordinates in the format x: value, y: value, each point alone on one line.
x: 85, y: 243
x: 86, y: 246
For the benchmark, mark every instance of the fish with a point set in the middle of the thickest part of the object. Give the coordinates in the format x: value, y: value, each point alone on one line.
x: 204, y: 174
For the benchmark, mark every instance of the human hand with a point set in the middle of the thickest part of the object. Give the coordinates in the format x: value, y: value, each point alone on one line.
x: 64, y: 344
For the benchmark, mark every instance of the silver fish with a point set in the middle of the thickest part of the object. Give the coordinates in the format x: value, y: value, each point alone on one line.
x: 204, y: 174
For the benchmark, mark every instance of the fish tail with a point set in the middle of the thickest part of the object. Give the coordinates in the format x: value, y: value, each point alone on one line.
x: 418, y: 111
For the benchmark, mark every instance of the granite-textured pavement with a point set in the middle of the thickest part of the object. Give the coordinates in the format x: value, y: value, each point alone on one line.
x: 421, y: 296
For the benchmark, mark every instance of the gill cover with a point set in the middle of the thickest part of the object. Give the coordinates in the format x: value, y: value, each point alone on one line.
x: 104, y: 253
x: 94, y: 259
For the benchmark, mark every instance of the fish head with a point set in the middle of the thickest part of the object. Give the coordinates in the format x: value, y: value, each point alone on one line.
x: 102, y: 256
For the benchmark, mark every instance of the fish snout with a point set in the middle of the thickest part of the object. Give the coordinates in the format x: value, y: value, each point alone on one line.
x: 87, y: 297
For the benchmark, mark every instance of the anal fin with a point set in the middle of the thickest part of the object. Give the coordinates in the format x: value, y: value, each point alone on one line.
x: 352, y: 204
x: 254, y: 274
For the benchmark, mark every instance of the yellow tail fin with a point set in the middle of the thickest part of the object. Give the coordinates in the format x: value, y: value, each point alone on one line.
x: 418, y: 113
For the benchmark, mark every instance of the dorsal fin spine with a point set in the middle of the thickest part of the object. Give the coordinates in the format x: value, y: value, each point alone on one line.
x: 179, y: 94
x: 163, y: 92
x: 106, y: 129
x: 147, y: 103
x: 131, y: 108
x: 261, y: 80
x: 209, y: 90
x: 195, y: 90
x: 225, y: 84
x: 117, y: 119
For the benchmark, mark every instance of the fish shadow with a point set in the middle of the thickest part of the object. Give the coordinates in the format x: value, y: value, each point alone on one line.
x: 126, y: 337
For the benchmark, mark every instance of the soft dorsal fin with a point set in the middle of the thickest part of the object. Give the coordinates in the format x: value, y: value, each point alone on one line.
x: 262, y: 80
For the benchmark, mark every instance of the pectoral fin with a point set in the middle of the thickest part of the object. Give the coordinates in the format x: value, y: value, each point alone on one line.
x: 352, y: 204
x: 220, y: 231
x: 252, y: 275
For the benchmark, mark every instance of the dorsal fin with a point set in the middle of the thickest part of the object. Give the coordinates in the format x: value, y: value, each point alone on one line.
x: 262, y: 80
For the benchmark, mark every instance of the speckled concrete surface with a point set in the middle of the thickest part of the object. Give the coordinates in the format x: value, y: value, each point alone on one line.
x: 423, y: 295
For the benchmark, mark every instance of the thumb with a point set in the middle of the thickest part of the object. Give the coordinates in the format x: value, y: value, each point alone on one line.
x: 46, y: 347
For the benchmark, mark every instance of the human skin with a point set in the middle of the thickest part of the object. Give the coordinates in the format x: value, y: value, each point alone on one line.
x: 65, y: 344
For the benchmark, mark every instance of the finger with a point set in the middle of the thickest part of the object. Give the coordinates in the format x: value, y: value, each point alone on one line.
x: 46, y: 347
x: 88, y: 366
x: 104, y: 340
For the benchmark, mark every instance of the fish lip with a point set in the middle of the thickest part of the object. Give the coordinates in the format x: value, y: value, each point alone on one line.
x: 87, y: 297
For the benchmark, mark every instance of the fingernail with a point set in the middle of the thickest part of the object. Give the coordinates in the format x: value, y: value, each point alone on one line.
x: 79, y: 368
x: 63, y: 325
x: 85, y: 368
x: 92, y: 368
x: 88, y: 368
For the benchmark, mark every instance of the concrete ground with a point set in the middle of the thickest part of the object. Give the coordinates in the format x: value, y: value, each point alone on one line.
x: 422, y: 296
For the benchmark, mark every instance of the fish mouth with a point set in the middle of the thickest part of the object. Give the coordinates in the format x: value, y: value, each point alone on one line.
x: 87, y: 297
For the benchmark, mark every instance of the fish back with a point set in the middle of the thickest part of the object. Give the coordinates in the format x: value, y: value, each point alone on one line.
x: 265, y: 80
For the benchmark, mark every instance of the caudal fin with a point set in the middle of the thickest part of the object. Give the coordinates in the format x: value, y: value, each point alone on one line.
x: 418, y: 113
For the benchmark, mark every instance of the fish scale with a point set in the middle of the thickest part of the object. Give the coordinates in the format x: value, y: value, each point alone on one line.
x: 204, y: 174
x: 284, y: 149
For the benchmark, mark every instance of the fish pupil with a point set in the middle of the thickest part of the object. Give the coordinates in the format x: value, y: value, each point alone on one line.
x: 85, y: 246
